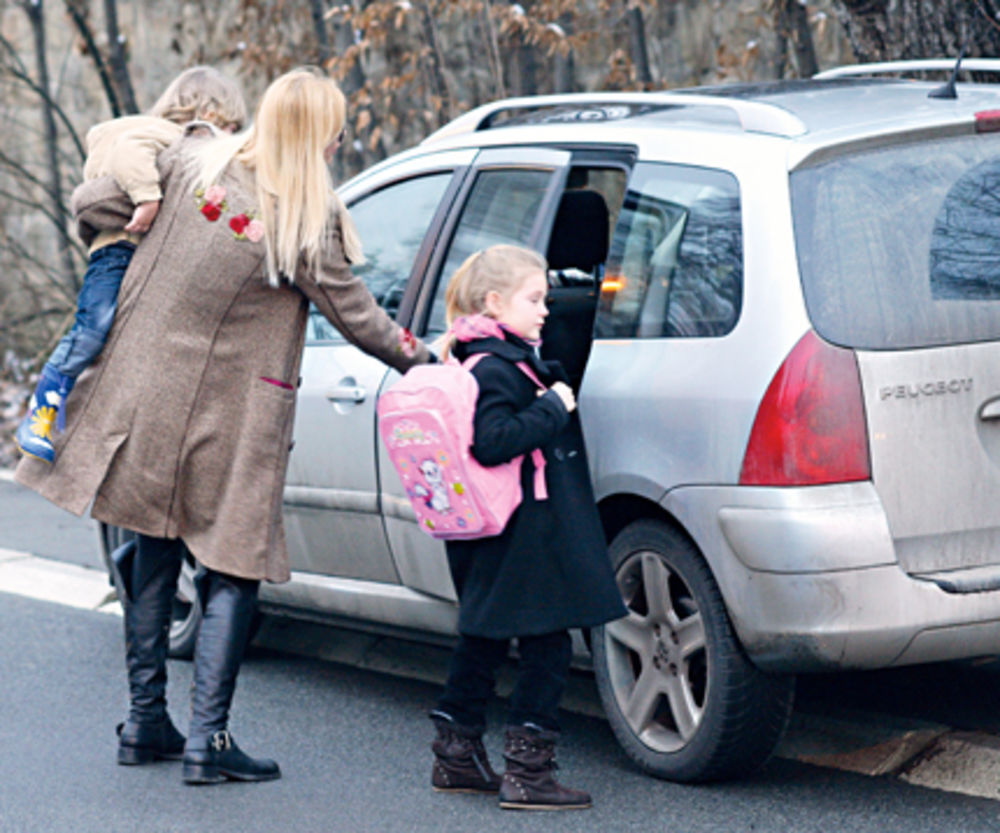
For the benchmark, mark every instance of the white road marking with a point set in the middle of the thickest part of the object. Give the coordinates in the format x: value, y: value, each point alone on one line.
x: 55, y: 581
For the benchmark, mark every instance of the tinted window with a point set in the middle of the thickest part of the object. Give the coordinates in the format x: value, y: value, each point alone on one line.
x: 501, y: 208
x: 900, y: 247
x: 676, y: 263
x: 392, y: 223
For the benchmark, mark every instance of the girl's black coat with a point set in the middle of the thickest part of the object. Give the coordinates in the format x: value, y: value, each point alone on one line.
x: 549, y: 569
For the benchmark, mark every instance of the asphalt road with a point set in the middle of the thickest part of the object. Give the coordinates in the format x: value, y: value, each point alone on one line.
x: 30, y: 524
x: 353, y: 746
x: 353, y: 743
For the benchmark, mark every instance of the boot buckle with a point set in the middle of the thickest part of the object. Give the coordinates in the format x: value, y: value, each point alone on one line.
x: 221, y: 741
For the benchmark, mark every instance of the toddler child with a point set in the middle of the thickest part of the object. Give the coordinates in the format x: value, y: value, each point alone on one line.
x: 127, y: 149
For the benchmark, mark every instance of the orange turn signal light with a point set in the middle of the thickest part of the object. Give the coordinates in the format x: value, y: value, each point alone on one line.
x: 613, y: 283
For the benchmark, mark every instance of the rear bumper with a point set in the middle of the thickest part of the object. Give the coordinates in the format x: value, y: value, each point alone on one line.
x: 811, y: 580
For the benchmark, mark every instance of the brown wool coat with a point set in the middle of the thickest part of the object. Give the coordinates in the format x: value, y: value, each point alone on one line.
x: 172, y: 432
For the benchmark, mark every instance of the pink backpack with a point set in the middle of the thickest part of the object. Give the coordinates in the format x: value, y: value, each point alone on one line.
x: 426, y: 422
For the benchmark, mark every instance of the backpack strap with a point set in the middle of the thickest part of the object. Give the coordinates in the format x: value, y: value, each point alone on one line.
x: 541, y: 490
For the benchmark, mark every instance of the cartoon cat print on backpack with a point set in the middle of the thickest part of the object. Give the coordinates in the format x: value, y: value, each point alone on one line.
x: 424, y: 466
x: 435, y: 494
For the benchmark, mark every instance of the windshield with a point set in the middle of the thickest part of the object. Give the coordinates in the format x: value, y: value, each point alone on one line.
x: 900, y: 247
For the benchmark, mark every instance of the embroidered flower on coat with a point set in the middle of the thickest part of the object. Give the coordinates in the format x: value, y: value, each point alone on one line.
x: 245, y: 227
x: 254, y: 231
x: 215, y: 194
x: 239, y: 223
x: 212, y: 202
x: 407, y: 342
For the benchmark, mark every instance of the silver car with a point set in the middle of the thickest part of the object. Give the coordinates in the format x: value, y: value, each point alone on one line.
x: 780, y: 304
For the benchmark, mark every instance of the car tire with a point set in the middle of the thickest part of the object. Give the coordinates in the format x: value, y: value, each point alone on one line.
x: 682, y: 698
x: 186, y: 616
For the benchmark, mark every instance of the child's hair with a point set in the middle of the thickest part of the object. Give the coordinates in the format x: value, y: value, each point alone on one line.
x: 299, y: 115
x: 204, y: 94
x: 500, y: 268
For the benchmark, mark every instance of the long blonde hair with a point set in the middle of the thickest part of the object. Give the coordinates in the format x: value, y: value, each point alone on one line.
x: 299, y: 115
x: 501, y: 268
x: 202, y: 93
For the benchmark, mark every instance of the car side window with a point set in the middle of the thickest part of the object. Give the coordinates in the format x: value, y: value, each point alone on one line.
x: 501, y: 208
x: 392, y: 223
x: 675, y: 268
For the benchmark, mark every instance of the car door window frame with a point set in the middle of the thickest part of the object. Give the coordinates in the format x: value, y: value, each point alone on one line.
x: 458, y: 163
x: 556, y: 160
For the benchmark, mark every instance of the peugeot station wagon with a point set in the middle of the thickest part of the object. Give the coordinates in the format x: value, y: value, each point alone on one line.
x: 780, y: 306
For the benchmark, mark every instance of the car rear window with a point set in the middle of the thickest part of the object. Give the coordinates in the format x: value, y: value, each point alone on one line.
x: 899, y: 247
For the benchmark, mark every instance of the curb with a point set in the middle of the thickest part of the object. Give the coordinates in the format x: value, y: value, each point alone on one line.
x: 962, y: 762
x: 56, y: 581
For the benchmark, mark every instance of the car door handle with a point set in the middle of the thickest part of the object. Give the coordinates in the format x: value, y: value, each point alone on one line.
x: 991, y: 410
x: 346, y: 393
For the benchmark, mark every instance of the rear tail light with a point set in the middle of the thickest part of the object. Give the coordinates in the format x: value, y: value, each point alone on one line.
x: 987, y: 121
x: 810, y: 426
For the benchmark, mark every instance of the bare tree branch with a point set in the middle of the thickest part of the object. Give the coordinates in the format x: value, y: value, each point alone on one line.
x: 18, y: 71
x: 119, y: 64
x: 77, y: 13
x: 435, y: 61
x: 637, y: 43
x: 319, y: 27
x: 34, y: 9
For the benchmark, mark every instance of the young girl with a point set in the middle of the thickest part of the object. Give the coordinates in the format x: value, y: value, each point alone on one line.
x: 548, y: 570
x: 127, y: 149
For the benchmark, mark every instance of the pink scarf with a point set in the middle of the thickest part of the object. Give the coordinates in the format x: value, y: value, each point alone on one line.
x: 471, y: 327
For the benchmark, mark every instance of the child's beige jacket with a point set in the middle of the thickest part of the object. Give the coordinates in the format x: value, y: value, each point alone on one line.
x: 126, y: 148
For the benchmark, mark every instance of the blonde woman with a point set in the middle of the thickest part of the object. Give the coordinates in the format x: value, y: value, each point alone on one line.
x: 181, y: 429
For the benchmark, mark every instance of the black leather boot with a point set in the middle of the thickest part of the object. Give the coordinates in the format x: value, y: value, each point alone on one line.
x: 147, y: 571
x: 460, y: 762
x: 530, y: 782
x: 143, y: 743
x: 211, y: 755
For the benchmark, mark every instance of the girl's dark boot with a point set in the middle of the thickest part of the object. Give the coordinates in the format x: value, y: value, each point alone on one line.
x: 530, y: 782
x: 460, y: 762
x: 211, y: 755
x: 147, y: 579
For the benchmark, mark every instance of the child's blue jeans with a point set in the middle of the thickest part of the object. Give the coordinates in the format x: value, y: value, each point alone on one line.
x: 95, y: 310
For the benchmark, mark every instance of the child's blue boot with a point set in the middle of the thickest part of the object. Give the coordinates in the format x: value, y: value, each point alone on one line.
x: 34, y: 434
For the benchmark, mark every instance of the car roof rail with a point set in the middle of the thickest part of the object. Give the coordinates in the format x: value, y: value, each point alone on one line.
x: 916, y: 65
x: 753, y: 116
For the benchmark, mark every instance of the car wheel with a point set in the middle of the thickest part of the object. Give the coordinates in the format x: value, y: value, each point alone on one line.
x: 186, y: 616
x: 682, y: 698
